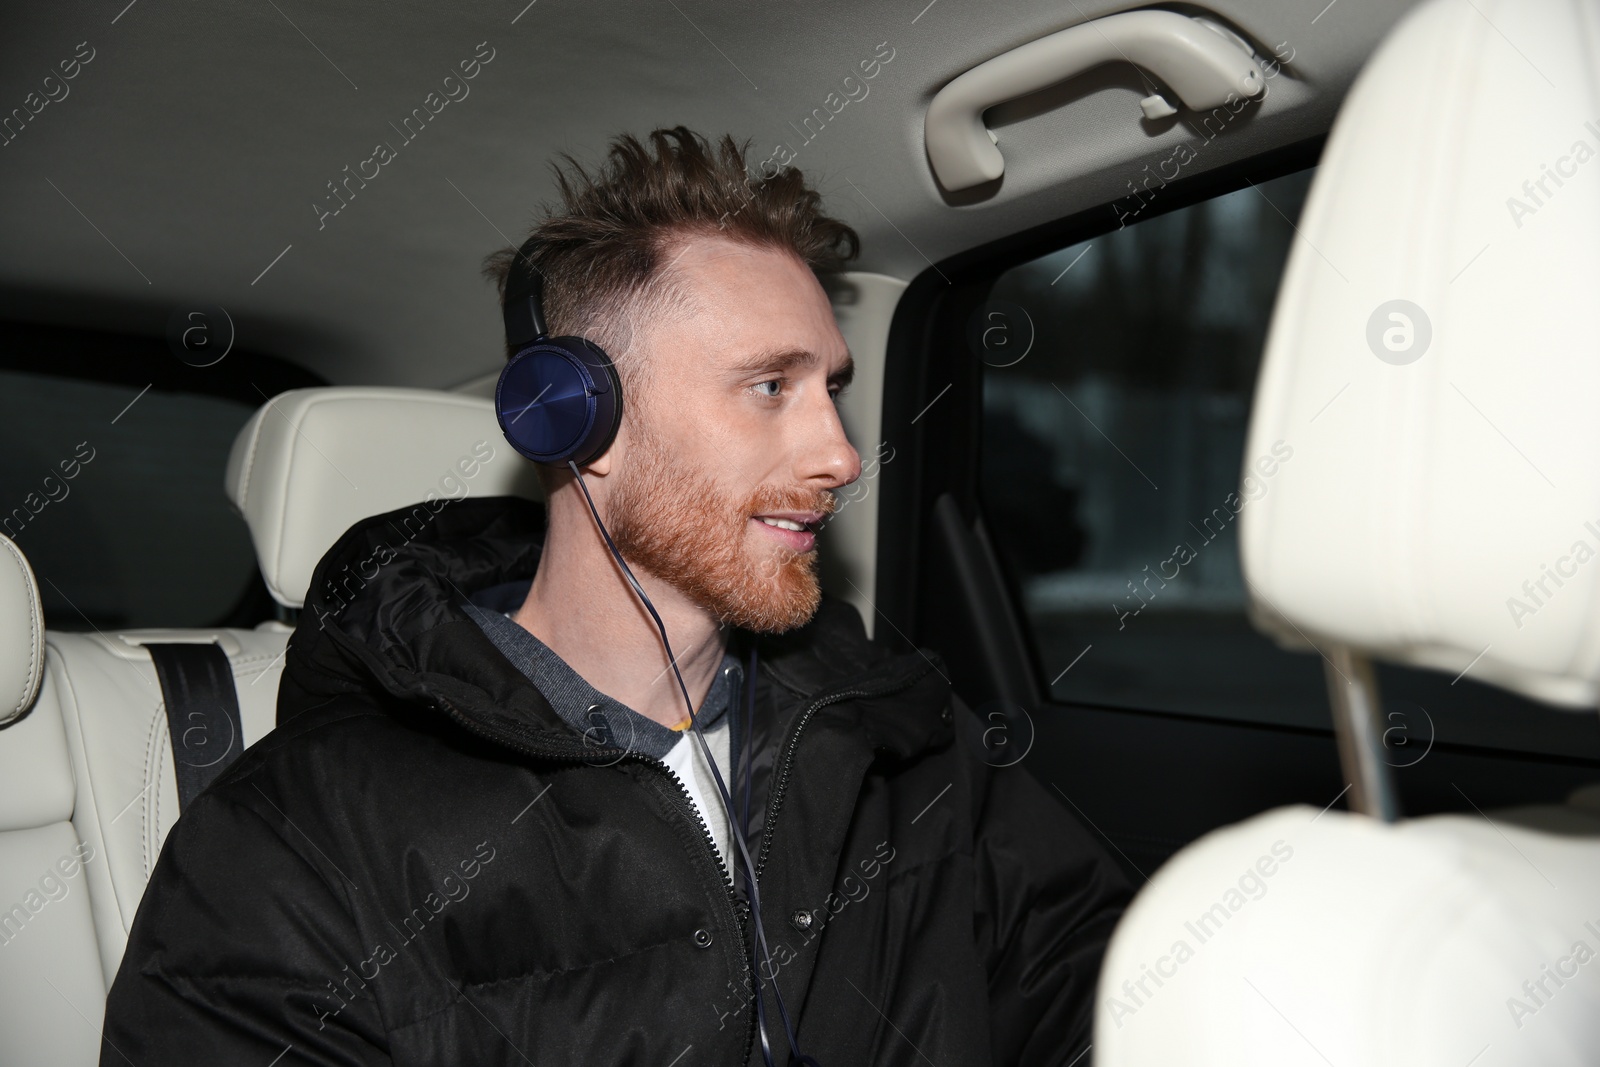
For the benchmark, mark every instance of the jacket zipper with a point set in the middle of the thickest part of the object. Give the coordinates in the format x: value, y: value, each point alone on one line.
x: 780, y: 783
x: 738, y: 907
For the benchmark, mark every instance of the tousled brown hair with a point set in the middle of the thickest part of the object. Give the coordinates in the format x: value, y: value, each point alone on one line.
x: 602, y: 251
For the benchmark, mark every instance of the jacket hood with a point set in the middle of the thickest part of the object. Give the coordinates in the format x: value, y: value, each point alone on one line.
x: 383, y: 617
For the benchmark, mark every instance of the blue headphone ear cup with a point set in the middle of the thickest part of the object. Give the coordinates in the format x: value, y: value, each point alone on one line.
x: 559, y: 399
x: 608, y: 401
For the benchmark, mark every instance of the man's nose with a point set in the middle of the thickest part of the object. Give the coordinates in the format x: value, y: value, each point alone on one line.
x: 829, y: 457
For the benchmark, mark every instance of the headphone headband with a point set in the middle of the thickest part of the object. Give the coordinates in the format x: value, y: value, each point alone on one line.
x: 523, y: 305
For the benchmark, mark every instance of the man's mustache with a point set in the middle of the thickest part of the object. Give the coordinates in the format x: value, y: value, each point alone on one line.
x: 770, y: 498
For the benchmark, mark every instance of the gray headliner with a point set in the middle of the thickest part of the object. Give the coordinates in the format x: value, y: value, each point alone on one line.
x: 198, y: 138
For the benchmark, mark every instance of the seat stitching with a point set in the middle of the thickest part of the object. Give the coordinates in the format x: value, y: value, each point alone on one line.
x: 249, y: 470
x: 250, y: 459
x: 35, y: 616
x: 154, y: 785
x: 282, y: 491
x: 255, y: 661
x: 150, y: 756
x: 69, y: 700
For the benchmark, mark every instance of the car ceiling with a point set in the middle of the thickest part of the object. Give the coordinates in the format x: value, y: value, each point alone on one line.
x: 182, y: 166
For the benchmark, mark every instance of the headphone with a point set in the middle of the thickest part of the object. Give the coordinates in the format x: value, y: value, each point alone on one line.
x: 559, y: 401
x: 559, y: 398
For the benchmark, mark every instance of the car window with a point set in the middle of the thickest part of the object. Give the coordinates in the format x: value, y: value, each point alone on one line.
x: 1118, y: 379
x: 113, y: 451
x: 121, y: 512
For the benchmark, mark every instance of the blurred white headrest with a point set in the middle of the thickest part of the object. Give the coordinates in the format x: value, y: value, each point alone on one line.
x: 1434, y: 361
x: 1299, y: 939
x: 312, y: 462
x: 21, y: 633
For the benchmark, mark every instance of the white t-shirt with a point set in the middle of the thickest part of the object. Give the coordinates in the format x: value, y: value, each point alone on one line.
x: 688, y: 762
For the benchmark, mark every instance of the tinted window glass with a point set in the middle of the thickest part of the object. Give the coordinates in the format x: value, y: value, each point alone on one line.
x: 116, y: 499
x: 1116, y: 401
x: 113, y: 449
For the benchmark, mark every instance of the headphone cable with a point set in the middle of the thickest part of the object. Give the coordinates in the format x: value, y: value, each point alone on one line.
x: 727, y: 801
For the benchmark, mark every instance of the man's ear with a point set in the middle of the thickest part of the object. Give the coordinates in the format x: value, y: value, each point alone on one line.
x: 605, y: 463
x: 601, y: 465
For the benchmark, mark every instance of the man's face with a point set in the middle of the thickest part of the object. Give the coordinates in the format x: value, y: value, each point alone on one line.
x: 729, y: 454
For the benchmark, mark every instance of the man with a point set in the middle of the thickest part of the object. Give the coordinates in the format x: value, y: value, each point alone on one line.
x: 479, y: 834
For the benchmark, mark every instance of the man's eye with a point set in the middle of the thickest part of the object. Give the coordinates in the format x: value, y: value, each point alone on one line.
x: 775, y: 383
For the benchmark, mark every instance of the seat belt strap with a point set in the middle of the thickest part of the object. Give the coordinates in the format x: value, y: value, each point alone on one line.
x: 202, y: 713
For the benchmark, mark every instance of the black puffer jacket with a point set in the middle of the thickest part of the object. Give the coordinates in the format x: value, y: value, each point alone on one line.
x: 423, y: 864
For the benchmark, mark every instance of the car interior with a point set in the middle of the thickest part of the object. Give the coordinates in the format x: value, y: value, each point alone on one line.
x: 1225, y: 397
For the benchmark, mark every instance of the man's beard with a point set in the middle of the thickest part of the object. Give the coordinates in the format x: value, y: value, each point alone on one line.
x: 677, y: 525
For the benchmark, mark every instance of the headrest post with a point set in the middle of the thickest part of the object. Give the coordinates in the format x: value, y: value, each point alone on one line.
x: 1358, y: 724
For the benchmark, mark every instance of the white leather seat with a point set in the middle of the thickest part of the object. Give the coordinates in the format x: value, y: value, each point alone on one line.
x: 1429, y: 484
x: 87, y: 795
x: 49, y: 959
x: 87, y: 787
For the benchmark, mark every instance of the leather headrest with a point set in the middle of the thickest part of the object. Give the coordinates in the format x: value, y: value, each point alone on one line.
x: 1433, y: 362
x: 312, y: 462
x: 21, y: 634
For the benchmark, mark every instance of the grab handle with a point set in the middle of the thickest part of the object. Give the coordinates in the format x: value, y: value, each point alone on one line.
x: 1204, y: 67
